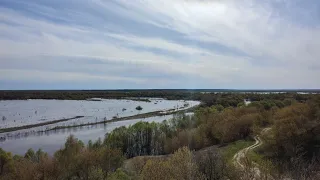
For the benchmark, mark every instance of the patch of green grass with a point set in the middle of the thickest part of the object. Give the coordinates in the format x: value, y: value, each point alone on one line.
x: 266, y: 166
x: 232, y: 148
x: 258, y: 158
x: 255, y: 157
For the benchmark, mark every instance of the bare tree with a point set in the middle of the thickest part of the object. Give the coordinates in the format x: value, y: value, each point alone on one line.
x: 211, y: 164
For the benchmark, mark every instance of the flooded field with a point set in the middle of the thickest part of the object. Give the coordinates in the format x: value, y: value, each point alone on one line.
x: 18, y: 113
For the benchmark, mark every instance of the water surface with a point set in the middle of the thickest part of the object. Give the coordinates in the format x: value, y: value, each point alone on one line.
x: 25, y: 112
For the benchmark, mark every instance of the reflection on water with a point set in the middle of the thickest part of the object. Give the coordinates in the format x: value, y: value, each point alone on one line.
x: 51, y: 141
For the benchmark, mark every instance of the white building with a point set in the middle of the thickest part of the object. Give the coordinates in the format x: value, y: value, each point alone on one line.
x: 247, y: 101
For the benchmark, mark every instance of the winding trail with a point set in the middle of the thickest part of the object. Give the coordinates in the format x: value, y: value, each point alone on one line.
x: 240, y: 155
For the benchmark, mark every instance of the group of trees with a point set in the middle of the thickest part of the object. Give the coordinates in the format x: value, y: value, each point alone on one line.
x: 144, y: 138
x: 88, y: 94
x: 208, y: 97
x: 74, y: 161
x: 293, y: 143
x: 210, y: 126
x: 182, y: 164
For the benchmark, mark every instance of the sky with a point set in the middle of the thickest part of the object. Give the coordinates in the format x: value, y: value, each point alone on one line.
x: 144, y: 44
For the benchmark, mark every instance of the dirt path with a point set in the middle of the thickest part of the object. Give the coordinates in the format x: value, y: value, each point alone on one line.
x: 237, y: 158
x: 240, y: 155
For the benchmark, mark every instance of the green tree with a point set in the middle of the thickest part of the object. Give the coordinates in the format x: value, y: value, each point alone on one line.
x: 6, y: 162
x: 96, y: 173
x: 31, y: 155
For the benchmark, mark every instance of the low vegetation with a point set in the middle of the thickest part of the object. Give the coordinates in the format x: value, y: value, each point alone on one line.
x: 232, y: 148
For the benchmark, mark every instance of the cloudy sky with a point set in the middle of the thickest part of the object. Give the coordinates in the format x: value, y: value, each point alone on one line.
x: 116, y: 44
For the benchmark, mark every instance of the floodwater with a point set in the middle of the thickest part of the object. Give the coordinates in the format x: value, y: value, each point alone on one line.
x: 25, y: 112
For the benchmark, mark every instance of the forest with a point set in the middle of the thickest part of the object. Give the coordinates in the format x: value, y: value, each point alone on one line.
x: 207, y: 95
x: 192, y: 147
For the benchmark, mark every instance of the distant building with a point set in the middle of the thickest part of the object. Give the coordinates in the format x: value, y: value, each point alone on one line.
x: 247, y: 101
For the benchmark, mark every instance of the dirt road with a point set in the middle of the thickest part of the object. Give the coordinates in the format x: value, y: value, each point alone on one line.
x: 240, y: 155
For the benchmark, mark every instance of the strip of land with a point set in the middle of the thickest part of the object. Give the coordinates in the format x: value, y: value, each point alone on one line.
x: 10, y: 129
x: 137, y: 116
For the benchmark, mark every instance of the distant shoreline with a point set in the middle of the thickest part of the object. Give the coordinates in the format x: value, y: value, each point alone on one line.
x: 170, y: 94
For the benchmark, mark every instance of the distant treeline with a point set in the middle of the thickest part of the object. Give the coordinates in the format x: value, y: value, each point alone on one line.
x: 209, y: 97
x: 225, y: 99
x: 86, y: 94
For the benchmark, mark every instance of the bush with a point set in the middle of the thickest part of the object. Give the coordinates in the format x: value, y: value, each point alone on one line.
x: 179, y: 166
x: 139, y: 108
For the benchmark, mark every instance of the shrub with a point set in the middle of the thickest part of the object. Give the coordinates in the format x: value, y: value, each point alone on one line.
x: 139, y: 108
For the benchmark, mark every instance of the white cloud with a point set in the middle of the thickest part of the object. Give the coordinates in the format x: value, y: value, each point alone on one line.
x: 159, y: 44
x: 251, y: 27
x: 47, y: 76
